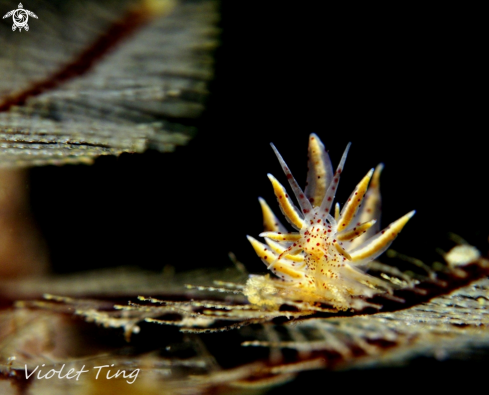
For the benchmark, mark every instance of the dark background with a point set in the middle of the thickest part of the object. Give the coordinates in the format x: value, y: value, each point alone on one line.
x: 399, y: 83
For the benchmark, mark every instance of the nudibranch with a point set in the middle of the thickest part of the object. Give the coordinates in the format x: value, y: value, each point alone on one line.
x: 324, y: 261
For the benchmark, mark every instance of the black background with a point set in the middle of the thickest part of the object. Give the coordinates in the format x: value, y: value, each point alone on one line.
x: 399, y: 83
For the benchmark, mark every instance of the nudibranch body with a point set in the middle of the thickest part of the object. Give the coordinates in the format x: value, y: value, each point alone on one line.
x: 323, y: 262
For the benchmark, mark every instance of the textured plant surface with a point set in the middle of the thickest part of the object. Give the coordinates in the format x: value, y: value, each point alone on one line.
x: 101, y: 78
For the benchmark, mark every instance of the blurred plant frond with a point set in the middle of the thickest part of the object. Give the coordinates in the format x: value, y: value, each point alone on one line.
x: 92, y: 327
x: 97, y: 78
